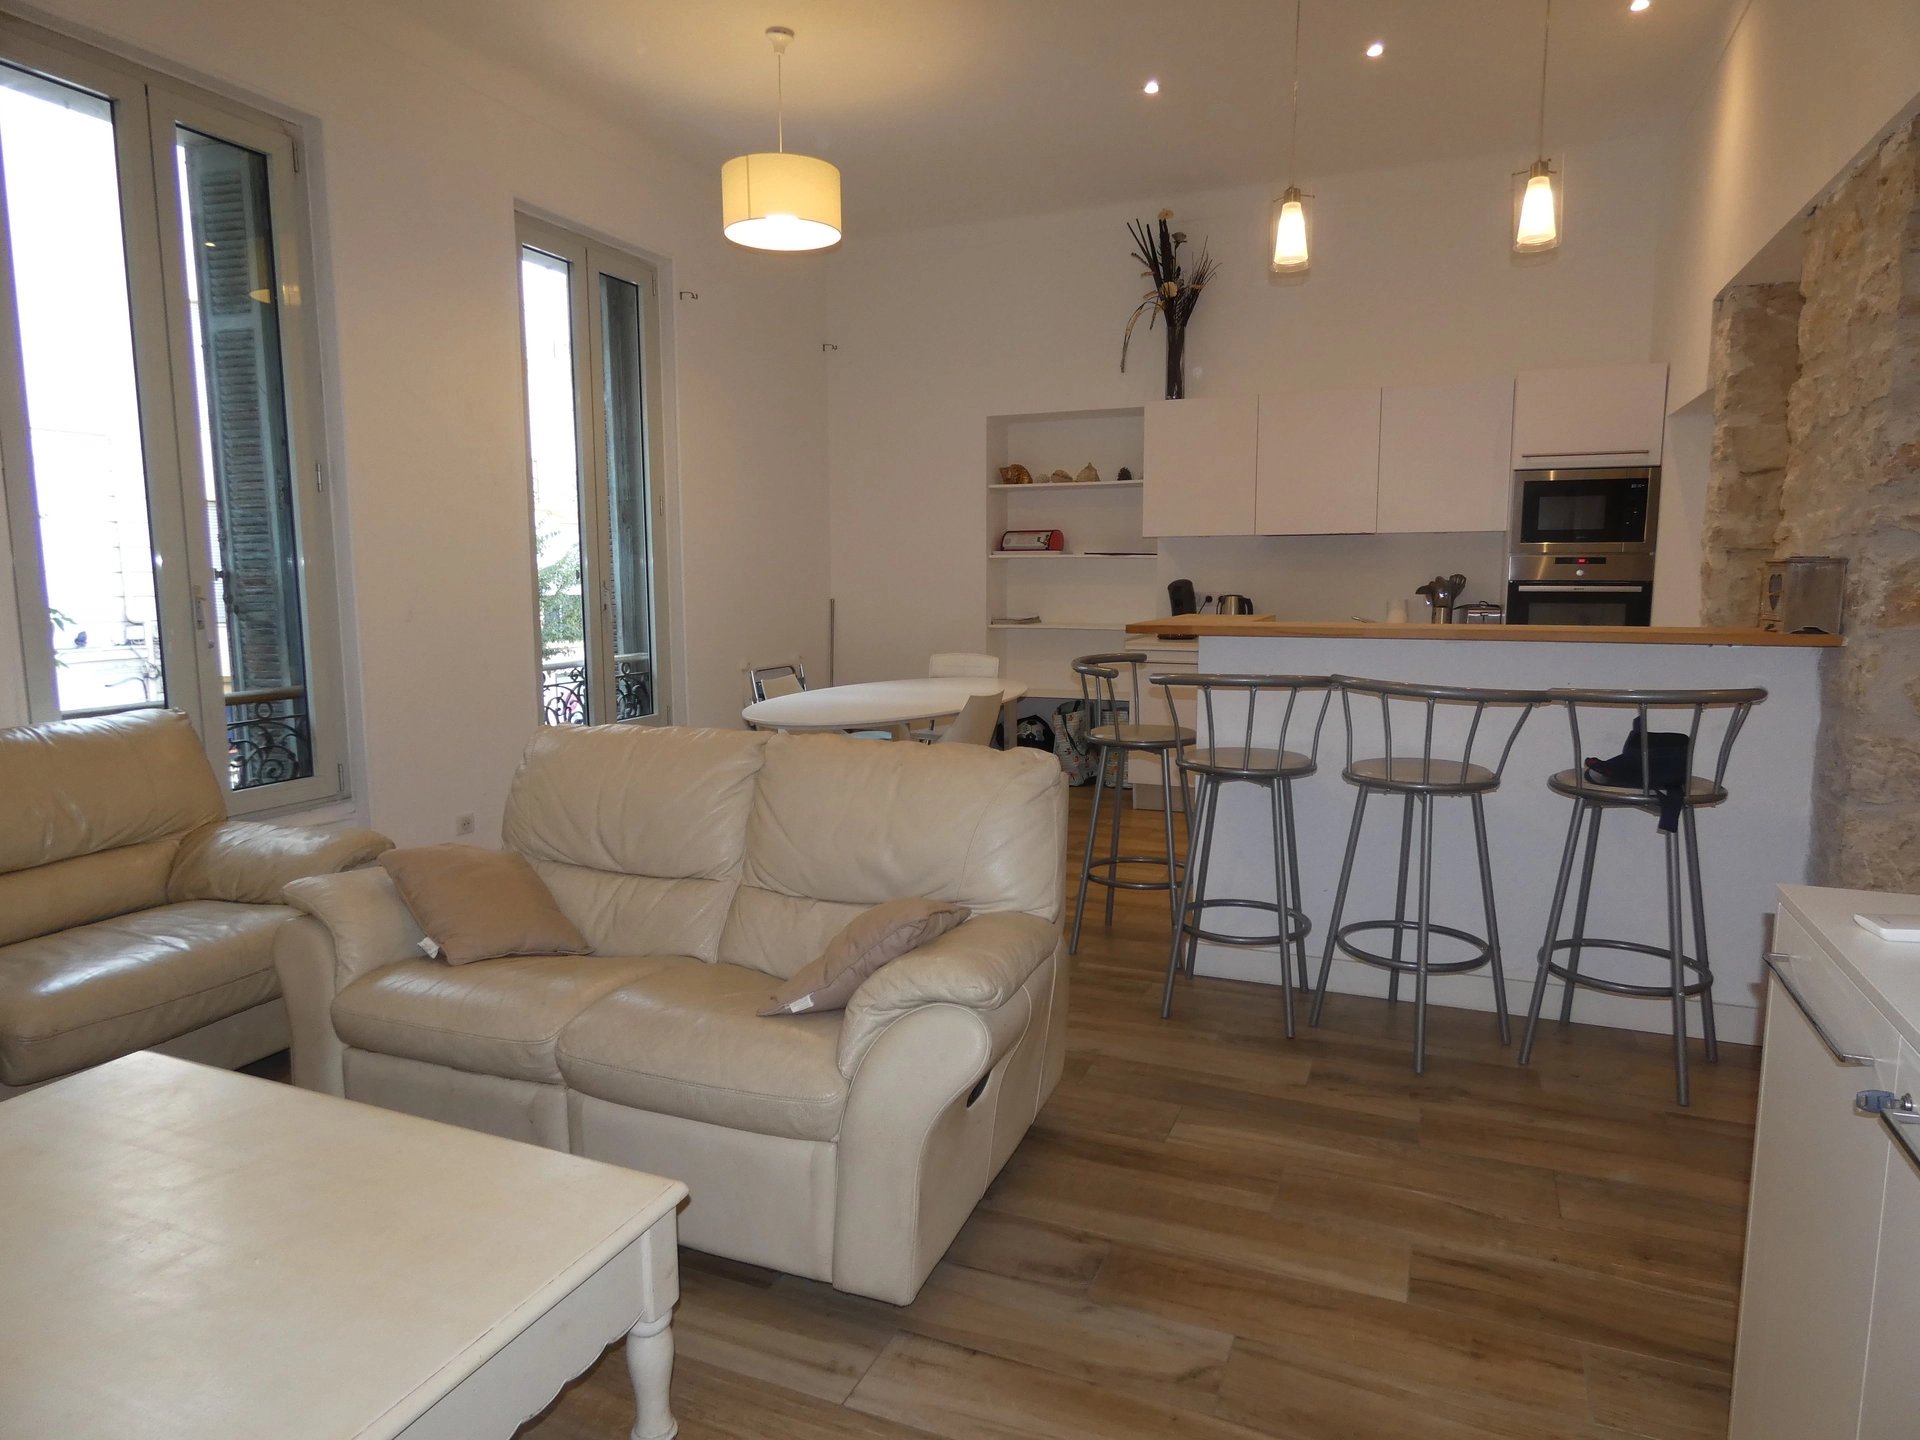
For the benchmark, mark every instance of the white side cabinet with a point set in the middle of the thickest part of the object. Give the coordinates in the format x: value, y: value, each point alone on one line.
x: 1830, y: 1300
x: 1319, y: 463
x: 1199, y: 466
x: 1590, y: 416
x: 1443, y: 457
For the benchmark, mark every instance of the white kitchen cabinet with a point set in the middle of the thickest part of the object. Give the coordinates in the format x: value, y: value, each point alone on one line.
x: 1444, y: 457
x: 1591, y: 416
x: 1890, y: 1397
x: 1830, y: 1299
x: 1318, y: 467
x: 1199, y: 467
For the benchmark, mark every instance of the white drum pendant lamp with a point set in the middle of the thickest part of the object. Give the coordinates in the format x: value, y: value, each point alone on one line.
x: 776, y: 201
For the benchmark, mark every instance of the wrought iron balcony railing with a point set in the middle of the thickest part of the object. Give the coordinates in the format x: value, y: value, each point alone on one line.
x: 563, y: 689
x: 269, y: 737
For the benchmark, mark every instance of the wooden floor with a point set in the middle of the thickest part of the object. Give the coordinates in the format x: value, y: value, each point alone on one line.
x: 1211, y: 1232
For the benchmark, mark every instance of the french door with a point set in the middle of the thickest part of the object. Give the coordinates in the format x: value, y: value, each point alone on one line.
x: 590, y: 342
x: 158, y: 416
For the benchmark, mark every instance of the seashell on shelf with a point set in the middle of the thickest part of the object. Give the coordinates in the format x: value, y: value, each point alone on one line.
x: 1124, y: 475
x: 1060, y: 477
x: 1088, y: 475
x: 1015, y: 475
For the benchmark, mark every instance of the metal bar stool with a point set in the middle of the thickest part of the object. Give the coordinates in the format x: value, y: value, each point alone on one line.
x: 1217, y: 762
x: 1420, y: 777
x: 1681, y: 794
x: 1117, y: 739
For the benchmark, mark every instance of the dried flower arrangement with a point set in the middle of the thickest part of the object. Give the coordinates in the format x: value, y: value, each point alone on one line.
x: 1174, y: 292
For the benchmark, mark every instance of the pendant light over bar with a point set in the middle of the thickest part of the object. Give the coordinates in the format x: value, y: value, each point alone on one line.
x: 1537, y: 218
x: 776, y: 201
x: 1287, y: 225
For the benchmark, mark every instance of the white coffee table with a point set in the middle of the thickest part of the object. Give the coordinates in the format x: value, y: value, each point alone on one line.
x: 876, y: 704
x: 186, y: 1252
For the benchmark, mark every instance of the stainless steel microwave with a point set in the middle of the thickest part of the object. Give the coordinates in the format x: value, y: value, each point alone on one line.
x: 1610, y: 511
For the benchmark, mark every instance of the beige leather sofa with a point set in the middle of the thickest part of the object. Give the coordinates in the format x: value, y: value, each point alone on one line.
x: 703, y: 865
x: 133, y: 914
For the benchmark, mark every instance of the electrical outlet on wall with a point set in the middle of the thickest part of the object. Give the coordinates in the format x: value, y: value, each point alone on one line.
x: 463, y: 824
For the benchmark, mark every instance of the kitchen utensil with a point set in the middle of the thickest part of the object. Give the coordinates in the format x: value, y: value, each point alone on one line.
x: 1180, y: 597
x: 1441, y: 592
x: 1234, y: 605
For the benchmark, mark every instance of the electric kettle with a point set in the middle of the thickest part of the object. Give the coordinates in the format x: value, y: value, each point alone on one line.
x: 1234, y: 605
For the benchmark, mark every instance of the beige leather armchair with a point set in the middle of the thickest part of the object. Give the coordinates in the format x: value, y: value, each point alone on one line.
x: 133, y: 914
x: 704, y: 866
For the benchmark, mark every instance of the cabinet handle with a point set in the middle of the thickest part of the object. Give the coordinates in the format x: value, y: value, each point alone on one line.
x: 1897, y: 1113
x: 1779, y: 965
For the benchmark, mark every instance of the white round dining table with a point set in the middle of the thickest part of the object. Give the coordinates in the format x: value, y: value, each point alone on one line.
x: 876, y: 704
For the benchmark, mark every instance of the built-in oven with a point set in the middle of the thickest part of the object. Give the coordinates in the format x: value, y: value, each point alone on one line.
x: 1597, y: 511
x: 1580, y: 590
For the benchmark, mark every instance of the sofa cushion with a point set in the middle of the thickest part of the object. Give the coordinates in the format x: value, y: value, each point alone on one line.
x: 685, y: 1041
x: 637, y: 830
x: 84, y: 888
x: 871, y: 939
x: 848, y: 823
x: 479, y: 904
x: 77, y: 786
x: 498, y: 1017
x: 94, y: 992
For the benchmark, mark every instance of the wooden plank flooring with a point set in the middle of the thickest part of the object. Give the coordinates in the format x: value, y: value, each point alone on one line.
x: 1214, y: 1233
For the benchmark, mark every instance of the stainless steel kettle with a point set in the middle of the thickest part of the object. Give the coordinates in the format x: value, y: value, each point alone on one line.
x: 1234, y: 605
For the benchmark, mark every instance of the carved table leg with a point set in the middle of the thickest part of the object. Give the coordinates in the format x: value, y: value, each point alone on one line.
x: 650, y: 1363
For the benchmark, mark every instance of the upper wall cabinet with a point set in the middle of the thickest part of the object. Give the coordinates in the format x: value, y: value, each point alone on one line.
x: 1595, y: 415
x: 1199, y: 467
x: 1443, y: 457
x: 1319, y: 463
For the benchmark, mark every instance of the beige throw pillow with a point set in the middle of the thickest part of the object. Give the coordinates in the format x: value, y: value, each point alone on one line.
x: 872, y: 939
x: 481, y: 904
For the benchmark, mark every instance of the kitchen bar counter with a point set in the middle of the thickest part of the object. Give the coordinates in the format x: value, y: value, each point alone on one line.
x: 1757, y: 840
x: 1205, y: 625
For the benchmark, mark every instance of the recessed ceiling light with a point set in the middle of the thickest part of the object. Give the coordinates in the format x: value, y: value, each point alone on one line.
x: 1636, y: 6
x: 1376, y: 49
x: 1152, y: 87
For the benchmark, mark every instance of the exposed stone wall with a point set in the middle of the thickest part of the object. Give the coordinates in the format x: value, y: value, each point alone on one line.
x: 1755, y: 359
x: 1852, y: 487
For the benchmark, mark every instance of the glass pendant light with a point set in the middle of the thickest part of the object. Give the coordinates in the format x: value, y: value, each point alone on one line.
x: 1537, y: 207
x: 776, y: 201
x: 1287, y: 225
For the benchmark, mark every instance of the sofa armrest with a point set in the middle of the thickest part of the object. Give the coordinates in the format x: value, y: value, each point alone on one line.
x: 365, y: 918
x: 250, y: 862
x: 980, y: 965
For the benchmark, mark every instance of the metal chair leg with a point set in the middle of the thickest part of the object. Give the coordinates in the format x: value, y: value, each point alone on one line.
x: 1173, y: 864
x: 1580, y: 913
x: 1421, y: 948
x: 1493, y: 923
x: 1293, y: 875
x: 1400, y: 900
x: 1339, y: 904
x: 1197, y: 898
x: 1709, y: 1031
x: 1678, y: 967
x: 1553, y: 929
x: 1086, y: 861
x: 1280, y: 903
x: 1113, y: 839
x: 1180, y: 910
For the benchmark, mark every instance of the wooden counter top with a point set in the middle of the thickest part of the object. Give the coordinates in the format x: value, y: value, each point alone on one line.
x: 1197, y: 625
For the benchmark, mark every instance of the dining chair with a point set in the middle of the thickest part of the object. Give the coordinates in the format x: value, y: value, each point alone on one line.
x: 768, y: 681
x: 974, y: 724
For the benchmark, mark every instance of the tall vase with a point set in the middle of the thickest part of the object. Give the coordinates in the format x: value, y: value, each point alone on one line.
x: 1176, y: 359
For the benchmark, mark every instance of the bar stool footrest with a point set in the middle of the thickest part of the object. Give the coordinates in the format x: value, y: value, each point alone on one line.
x: 1409, y: 963
x: 1299, y: 926
x: 1621, y: 987
x: 1103, y: 871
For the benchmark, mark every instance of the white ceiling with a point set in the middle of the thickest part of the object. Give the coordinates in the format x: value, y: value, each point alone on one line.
x: 947, y: 110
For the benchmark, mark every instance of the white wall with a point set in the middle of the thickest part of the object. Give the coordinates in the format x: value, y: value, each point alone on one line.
x: 1802, y: 89
x: 421, y: 154
x: 1412, y: 281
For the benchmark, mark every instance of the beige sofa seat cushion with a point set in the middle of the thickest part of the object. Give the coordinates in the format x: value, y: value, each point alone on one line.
x: 637, y: 830
x: 94, y: 992
x: 85, y: 888
x: 685, y: 1041
x: 841, y: 824
x: 494, y: 1017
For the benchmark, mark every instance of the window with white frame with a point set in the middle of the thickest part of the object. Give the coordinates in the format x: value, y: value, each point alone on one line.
x: 590, y: 341
x: 159, y: 412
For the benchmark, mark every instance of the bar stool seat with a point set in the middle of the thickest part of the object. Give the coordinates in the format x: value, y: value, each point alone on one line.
x: 1575, y: 785
x: 1236, y: 762
x: 1409, y: 773
x: 1139, y: 737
